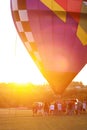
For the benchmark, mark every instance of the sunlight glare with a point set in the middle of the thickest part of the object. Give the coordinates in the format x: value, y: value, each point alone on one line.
x: 15, y: 63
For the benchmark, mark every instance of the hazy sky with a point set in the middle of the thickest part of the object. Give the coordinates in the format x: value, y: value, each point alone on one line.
x: 15, y: 63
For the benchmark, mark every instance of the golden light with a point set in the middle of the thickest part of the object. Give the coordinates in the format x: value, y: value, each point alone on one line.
x: 15, y: 63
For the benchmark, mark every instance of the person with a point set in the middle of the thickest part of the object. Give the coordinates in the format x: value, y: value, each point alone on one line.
x: 64, y: 107
x: 46, y: 108
x: 40, y: 110
x: 76, y: 108
x: 71, y: 107
x: 84, y: 106
x: 79, y: 107
x: 35, y: 108
x: 55, y: 108
x: 51, y: 109
x: 59, y: 105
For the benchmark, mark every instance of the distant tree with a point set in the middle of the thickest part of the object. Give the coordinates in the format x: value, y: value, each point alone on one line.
x: 74, y: 84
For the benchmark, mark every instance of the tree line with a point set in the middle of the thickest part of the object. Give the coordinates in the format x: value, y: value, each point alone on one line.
x: 23, y: 95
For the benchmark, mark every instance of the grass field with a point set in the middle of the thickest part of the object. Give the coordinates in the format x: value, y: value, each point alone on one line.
x: 14, y: 119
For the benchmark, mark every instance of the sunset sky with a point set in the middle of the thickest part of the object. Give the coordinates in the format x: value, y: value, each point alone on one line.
x: 15, y: 62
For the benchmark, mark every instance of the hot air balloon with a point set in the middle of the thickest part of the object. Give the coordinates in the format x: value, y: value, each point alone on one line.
x: 55, y: 34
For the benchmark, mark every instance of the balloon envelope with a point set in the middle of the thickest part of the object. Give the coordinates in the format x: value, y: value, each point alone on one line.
x: 55, y: 35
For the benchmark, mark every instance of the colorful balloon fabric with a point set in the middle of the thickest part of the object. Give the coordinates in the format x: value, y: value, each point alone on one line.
x: 55, y: 34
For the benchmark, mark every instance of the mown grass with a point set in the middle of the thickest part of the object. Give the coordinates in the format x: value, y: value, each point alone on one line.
x: 11, y: 119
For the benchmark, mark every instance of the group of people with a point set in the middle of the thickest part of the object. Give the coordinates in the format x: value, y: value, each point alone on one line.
x: 67, y: 107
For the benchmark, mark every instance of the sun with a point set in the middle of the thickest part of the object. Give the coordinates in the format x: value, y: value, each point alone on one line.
x: 20, y: 68
x: 21, y: 71
x: 16, y: 64
x: 25, y: 68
